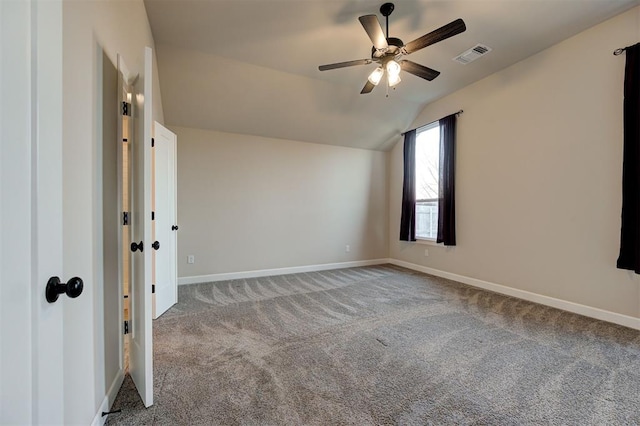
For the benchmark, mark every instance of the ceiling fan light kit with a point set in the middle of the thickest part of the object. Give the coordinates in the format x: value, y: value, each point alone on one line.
x: 376, y: 76
x: 393, y: 79
x: 388, y: 51
x: 393, y: 68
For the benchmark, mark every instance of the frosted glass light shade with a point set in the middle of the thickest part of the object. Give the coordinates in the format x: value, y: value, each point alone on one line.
x: 393, y: 68
x: 376, y: 76
x: 394, y: 79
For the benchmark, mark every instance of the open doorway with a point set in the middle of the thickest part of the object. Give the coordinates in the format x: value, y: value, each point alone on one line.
x: 115, y: 201
x: 125, y: 194
x: 134, y: 183
x: 129, y: 202
x: 123, y: 142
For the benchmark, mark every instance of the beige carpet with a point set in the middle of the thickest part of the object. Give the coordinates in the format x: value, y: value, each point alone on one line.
x: 381, y: 345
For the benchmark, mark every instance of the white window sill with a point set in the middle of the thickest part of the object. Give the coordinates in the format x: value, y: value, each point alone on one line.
x: 427, y: 242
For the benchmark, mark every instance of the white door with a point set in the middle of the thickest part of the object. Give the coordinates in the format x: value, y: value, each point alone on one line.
x: 31, y: 339
x: 165, y: 219
x: 141, y: 337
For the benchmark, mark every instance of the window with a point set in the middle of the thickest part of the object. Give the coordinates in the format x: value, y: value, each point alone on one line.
x: 428, y: 186
x: 427, y: 181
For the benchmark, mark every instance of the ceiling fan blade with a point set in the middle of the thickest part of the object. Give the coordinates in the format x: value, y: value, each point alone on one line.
x: 344, y: 64
x: 456, y: 27
x: 419, y: 70
x: 374, y: 31
x: 367, y: 88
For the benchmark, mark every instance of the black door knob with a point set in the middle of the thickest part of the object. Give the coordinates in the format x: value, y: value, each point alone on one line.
x: 155, y: 245
x: 137, y: 246
x: 73, y: 288
x: 174, y: 227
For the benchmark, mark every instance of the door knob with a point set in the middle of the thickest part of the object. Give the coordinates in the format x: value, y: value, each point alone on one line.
x: 174, y: 227
x: 137, y: 246
x: 156, y: 245
x: 73, y: 288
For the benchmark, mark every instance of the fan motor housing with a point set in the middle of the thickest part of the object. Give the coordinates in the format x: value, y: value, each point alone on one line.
x: 394, y: 49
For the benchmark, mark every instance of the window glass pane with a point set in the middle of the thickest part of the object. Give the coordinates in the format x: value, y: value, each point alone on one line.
x: 427, y: 175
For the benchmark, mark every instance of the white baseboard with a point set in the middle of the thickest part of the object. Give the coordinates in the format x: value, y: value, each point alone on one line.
x: 278, y: 271
x: 588, y: 311
x: 108, y: 400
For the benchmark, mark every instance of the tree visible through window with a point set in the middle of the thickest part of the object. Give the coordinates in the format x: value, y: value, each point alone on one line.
x: 427, y: 181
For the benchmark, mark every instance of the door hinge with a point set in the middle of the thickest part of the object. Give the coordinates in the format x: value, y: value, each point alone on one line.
x: 153, y: 142
x: 126, y: 109
x: 125, y: 218
x: 153, y: 215
x: 126, y: 327
x: 153, y: 288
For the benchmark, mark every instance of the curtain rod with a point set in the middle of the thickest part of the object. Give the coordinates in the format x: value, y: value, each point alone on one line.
x: 621, y: 50
x: 403, y: 133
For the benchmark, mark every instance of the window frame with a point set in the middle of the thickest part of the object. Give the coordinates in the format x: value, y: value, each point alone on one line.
x: 419, y: 130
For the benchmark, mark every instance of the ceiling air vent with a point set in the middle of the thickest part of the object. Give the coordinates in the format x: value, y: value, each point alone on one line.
x: 472, y: 54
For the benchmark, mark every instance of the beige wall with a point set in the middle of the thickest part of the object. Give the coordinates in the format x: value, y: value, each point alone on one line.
x: 91, y: 27
x: 249, y: 203
x: 539, y: 174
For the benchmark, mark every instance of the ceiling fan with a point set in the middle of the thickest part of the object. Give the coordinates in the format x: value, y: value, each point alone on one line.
x: 387, y: 51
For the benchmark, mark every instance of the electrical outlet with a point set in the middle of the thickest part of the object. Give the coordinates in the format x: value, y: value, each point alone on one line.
x: 191, y: 259
x: 426, y: 252
x: 347, y: 248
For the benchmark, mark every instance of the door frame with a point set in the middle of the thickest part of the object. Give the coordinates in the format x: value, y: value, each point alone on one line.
x: 31, y: 391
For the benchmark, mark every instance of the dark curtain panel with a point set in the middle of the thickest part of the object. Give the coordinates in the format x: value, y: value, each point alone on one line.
x: 630, y: 232
x: 446, y: 192
x: 408, y: 218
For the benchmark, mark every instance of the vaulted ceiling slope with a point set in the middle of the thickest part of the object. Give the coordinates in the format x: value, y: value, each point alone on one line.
x: 251, y: 67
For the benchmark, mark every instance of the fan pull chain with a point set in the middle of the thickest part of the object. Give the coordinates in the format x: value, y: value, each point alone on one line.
x: 388, y: 89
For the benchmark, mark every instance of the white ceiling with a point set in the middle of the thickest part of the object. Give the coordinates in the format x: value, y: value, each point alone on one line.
x: 251, y: 66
